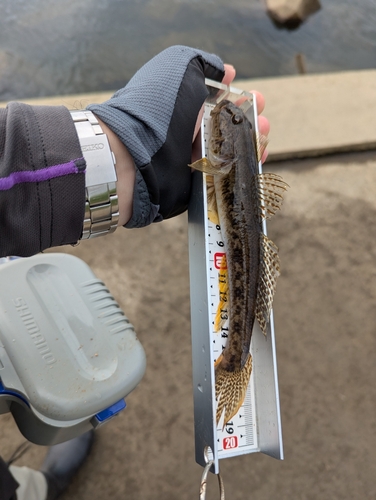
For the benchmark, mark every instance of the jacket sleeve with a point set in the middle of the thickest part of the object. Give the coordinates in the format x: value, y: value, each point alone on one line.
x: 42, y: 179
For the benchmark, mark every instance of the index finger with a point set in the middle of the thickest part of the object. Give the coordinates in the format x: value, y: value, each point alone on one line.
x: 260, y: 101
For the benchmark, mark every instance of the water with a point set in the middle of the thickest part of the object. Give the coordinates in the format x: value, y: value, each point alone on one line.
x: 49, y: 47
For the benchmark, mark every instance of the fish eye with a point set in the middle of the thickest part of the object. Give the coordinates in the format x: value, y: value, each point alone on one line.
x: 237, y: 118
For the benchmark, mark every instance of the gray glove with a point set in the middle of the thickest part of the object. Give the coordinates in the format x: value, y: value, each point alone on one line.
x: 154, y: 115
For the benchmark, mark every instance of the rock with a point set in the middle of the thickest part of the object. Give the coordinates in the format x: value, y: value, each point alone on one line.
x: 290, y: 14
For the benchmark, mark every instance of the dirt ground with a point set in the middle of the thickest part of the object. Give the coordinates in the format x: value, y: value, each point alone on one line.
x: 325, y: 319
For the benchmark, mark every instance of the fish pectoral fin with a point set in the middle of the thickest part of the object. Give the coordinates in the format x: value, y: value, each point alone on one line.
x: 270, y: 189
x: 230, y: 389
x: 269, y: 272
x: 204, y: 165
x: 217, y: 165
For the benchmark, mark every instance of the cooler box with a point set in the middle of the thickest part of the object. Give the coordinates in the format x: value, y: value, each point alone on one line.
x: 68, y: 354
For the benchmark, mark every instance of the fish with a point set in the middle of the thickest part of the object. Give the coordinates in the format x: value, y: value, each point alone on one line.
x: 241, y: 199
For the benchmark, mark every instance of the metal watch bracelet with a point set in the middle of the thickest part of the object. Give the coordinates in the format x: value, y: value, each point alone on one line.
x: 101, y: 205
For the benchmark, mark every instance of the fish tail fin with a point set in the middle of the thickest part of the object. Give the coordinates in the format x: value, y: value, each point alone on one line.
x: 230, y: 389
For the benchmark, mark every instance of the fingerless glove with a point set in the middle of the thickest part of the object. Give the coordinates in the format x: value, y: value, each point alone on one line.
x: 154, y: 115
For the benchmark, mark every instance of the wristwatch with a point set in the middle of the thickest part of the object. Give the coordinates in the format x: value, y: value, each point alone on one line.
x: 101, y: 205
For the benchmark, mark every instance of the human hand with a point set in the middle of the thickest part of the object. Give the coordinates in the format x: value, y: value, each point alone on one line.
x: 154, y: 116
x: 263, y: 122
x: 153, y: 120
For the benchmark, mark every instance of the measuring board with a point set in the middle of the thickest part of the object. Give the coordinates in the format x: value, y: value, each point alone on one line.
x: 257, y: 425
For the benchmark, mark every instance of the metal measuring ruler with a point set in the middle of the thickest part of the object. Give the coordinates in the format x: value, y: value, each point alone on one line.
x: 257, y: 425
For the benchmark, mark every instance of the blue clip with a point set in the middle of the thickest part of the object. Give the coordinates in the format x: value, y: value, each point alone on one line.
x: 3, y: 390
x: 110, y: 412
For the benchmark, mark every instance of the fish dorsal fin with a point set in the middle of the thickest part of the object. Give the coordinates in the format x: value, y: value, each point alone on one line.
x: 269, y: 273
x: 261, y: 144
x: 270, y: 189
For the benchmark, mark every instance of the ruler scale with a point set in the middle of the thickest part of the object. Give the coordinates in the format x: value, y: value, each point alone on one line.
x: 257, y: 425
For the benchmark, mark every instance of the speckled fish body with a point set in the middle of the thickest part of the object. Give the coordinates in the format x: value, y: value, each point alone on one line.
x: 243, y: 199
x: 241, y: 226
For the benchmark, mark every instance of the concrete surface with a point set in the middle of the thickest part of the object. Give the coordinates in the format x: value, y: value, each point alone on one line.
x: 313, y: 115
x: 325, y: 318
x: 310, y: 115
